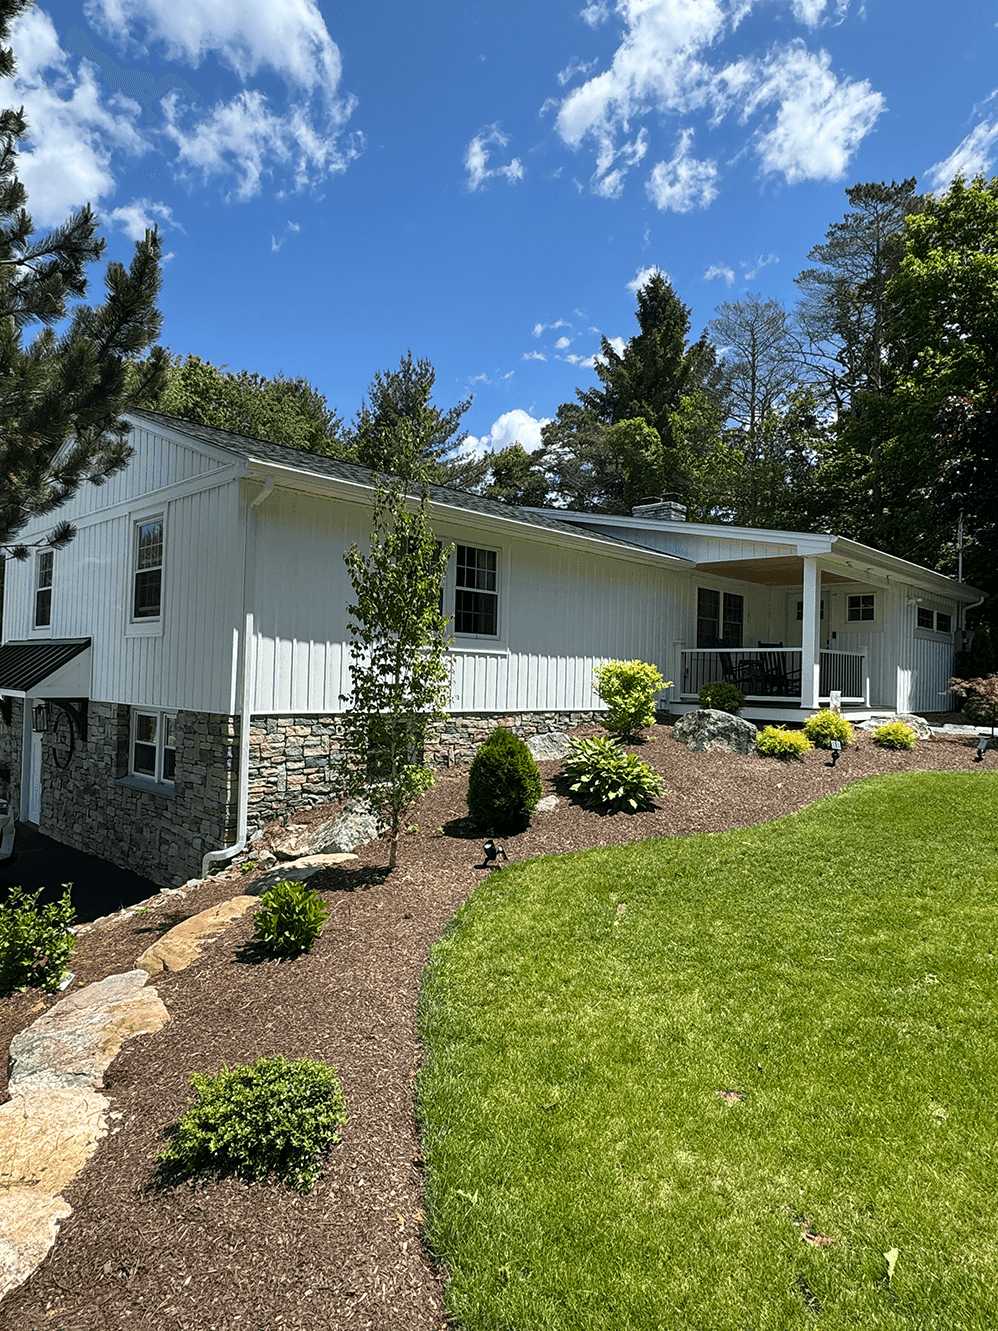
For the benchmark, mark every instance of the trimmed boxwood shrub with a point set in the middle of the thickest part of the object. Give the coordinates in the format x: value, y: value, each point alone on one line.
x: 263, y: 1118
x: 605, y: 776
x: 722, y: 697
x: 895, y: 735
x: 825, y: 726
x: 504, y: 784
x: 778, y: 742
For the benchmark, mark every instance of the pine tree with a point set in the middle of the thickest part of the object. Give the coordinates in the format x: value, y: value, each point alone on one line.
x: 62, y: 394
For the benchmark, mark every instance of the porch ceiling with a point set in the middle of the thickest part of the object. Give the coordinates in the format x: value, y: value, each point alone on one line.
x: 774, y: 571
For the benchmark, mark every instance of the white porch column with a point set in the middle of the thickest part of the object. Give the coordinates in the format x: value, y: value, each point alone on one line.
x: 810, y: 658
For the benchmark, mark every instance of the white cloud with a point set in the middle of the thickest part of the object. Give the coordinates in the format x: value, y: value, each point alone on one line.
x: 665, y: 66
x: 596, y: 13
x: 973, y: 156
x: 618, y: 344
x: 583, y: 362
x: 683, y: 183
x: 719, y: 270
x: 516, y: 426
x: 753, y: 266
x: 541, y: 328
x: 642, y: 276
x: 534, y: 355
x: 476, y: 158
x: 140, y: 215
x: 563, y: 344
x: 292, y: 228
x: 575, y: 66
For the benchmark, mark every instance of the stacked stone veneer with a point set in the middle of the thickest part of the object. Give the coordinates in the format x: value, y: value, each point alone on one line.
x: 10, y: 755
x: 92, y: 805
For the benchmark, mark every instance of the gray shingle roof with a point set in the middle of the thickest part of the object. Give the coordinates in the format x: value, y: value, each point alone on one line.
x: 260, y: 450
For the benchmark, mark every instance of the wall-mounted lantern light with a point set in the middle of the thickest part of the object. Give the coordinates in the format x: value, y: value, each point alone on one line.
x: 40, y: 718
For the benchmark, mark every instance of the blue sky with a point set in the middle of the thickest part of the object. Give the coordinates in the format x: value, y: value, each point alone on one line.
x: 483, y: 184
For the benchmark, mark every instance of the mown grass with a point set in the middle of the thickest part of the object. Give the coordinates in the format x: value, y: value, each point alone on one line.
x: 836, y: 969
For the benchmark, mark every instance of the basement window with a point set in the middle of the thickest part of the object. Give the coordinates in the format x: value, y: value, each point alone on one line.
x: 153, y: 748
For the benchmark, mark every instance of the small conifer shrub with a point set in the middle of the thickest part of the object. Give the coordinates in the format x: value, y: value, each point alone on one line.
x: 628, y: 688
x: 825, y: 726
x: 289, y: 919
x: 35, y: 941
x: 895, y: 735
x: 778, y: 742
x: 722, y: 697
x: 605, y: 776
x: 504, y: 784
x: 263, y: 1118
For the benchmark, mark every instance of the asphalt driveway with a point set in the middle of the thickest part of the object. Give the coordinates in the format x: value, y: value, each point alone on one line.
x: 98, y: 887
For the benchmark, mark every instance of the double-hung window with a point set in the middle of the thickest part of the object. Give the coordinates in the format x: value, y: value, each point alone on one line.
x: 43, y: 589
x: 153, y: 749
x: 720, y: 618
x: 147, y: 569
x: 476, y: 591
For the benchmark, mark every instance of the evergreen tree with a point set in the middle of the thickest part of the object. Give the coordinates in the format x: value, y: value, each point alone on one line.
x: 285, y: 411
x: 399, y: 636
x: 516, y: 477
x: 68, y: 386
x: 403, y: 396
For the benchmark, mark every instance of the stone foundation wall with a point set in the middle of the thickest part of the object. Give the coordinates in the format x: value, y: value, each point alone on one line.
x: 11, y: 739
x: 91, y: 805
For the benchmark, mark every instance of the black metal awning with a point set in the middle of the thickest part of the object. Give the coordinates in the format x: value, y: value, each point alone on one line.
x: 24, y: 666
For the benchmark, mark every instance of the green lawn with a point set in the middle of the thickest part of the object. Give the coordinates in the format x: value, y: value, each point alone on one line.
x: 835, y: 969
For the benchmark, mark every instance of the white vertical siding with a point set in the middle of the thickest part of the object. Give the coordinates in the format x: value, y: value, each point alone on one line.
x: 931, y: 671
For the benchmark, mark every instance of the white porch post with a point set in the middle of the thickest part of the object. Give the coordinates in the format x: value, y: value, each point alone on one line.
x: 810, y: 659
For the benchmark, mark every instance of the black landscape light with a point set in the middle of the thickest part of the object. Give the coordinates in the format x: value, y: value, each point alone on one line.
x: 493, y: 852
x: 836, y: 751
x: 982, y: 748
x: 40, y: 718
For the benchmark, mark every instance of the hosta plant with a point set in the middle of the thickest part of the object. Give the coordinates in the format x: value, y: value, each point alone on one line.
x: 895, y: 735
x: 628, y: 688
x: 722, y: 697
x: 778, y: 742
x: 825, y: 726
x: 35, y: 941
x: 605, y: 776
x: 263, y: 1118
x: 289, y: 919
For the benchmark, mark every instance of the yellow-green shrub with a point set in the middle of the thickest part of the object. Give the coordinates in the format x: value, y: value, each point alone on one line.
x: 825, y: 726
x: 628, y: 688
x: 895, y: 735
x: 778, y: 742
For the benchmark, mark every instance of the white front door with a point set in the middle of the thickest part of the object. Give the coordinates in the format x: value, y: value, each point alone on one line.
x: 31, y: 769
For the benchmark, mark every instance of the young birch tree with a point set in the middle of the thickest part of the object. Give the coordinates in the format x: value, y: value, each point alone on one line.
x: 399, y: 638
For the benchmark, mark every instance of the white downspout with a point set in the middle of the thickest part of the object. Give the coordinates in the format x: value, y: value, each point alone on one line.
x: 247, y: 679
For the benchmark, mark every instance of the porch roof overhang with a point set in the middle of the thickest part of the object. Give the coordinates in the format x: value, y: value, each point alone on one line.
x: 50, y: 668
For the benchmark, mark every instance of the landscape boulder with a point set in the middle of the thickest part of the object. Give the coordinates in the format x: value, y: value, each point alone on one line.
x: 918, y: 724
x: 711, y: 729
x: 552, y: 744
x: 354, y: 826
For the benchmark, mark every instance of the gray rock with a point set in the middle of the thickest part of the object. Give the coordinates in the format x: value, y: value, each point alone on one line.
x: 711, y: 729
x: 353, y: 827
x: 298, y: 871
x: 548, y: 803
x: 552, y: 744
x: 918, y: 724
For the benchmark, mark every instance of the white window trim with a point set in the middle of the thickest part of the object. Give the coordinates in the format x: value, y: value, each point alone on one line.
x: 42, y: 630
x: 849, y: 623
x: 451, y: 589
x: 156, y: 781
x: 148, y: 627
x: 935, y: 634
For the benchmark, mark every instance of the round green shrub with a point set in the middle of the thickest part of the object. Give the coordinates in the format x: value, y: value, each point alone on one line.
x: 628, y: 688
x: 263, y: 1118
x: 36, y: 942
x: 607, y: 777
x: 778, y: 742
x: 895, y: 735
x: 289, y: 919
x: 504, y: 784
x: 722, y: 697
x: 825, y: 726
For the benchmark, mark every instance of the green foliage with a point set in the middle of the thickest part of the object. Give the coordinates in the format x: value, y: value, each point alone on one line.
x: 778, y: 742
x: 722, y: 697
x: 517, y: 477
x: 36, y: 942
x: 400, y: 673
x: 628, y: 688
x: 895, y: 735
x: 263, y: 1118
x: 825, y: 726
x: 504, y: 784
x: 289, y: 919
x: 607, y: 777
x: 61, y: 396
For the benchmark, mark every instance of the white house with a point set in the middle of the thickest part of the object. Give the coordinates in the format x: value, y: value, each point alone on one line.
x: 190, y: 645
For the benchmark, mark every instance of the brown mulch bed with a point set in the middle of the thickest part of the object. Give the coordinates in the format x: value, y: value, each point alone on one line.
x: 225, y: 1255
